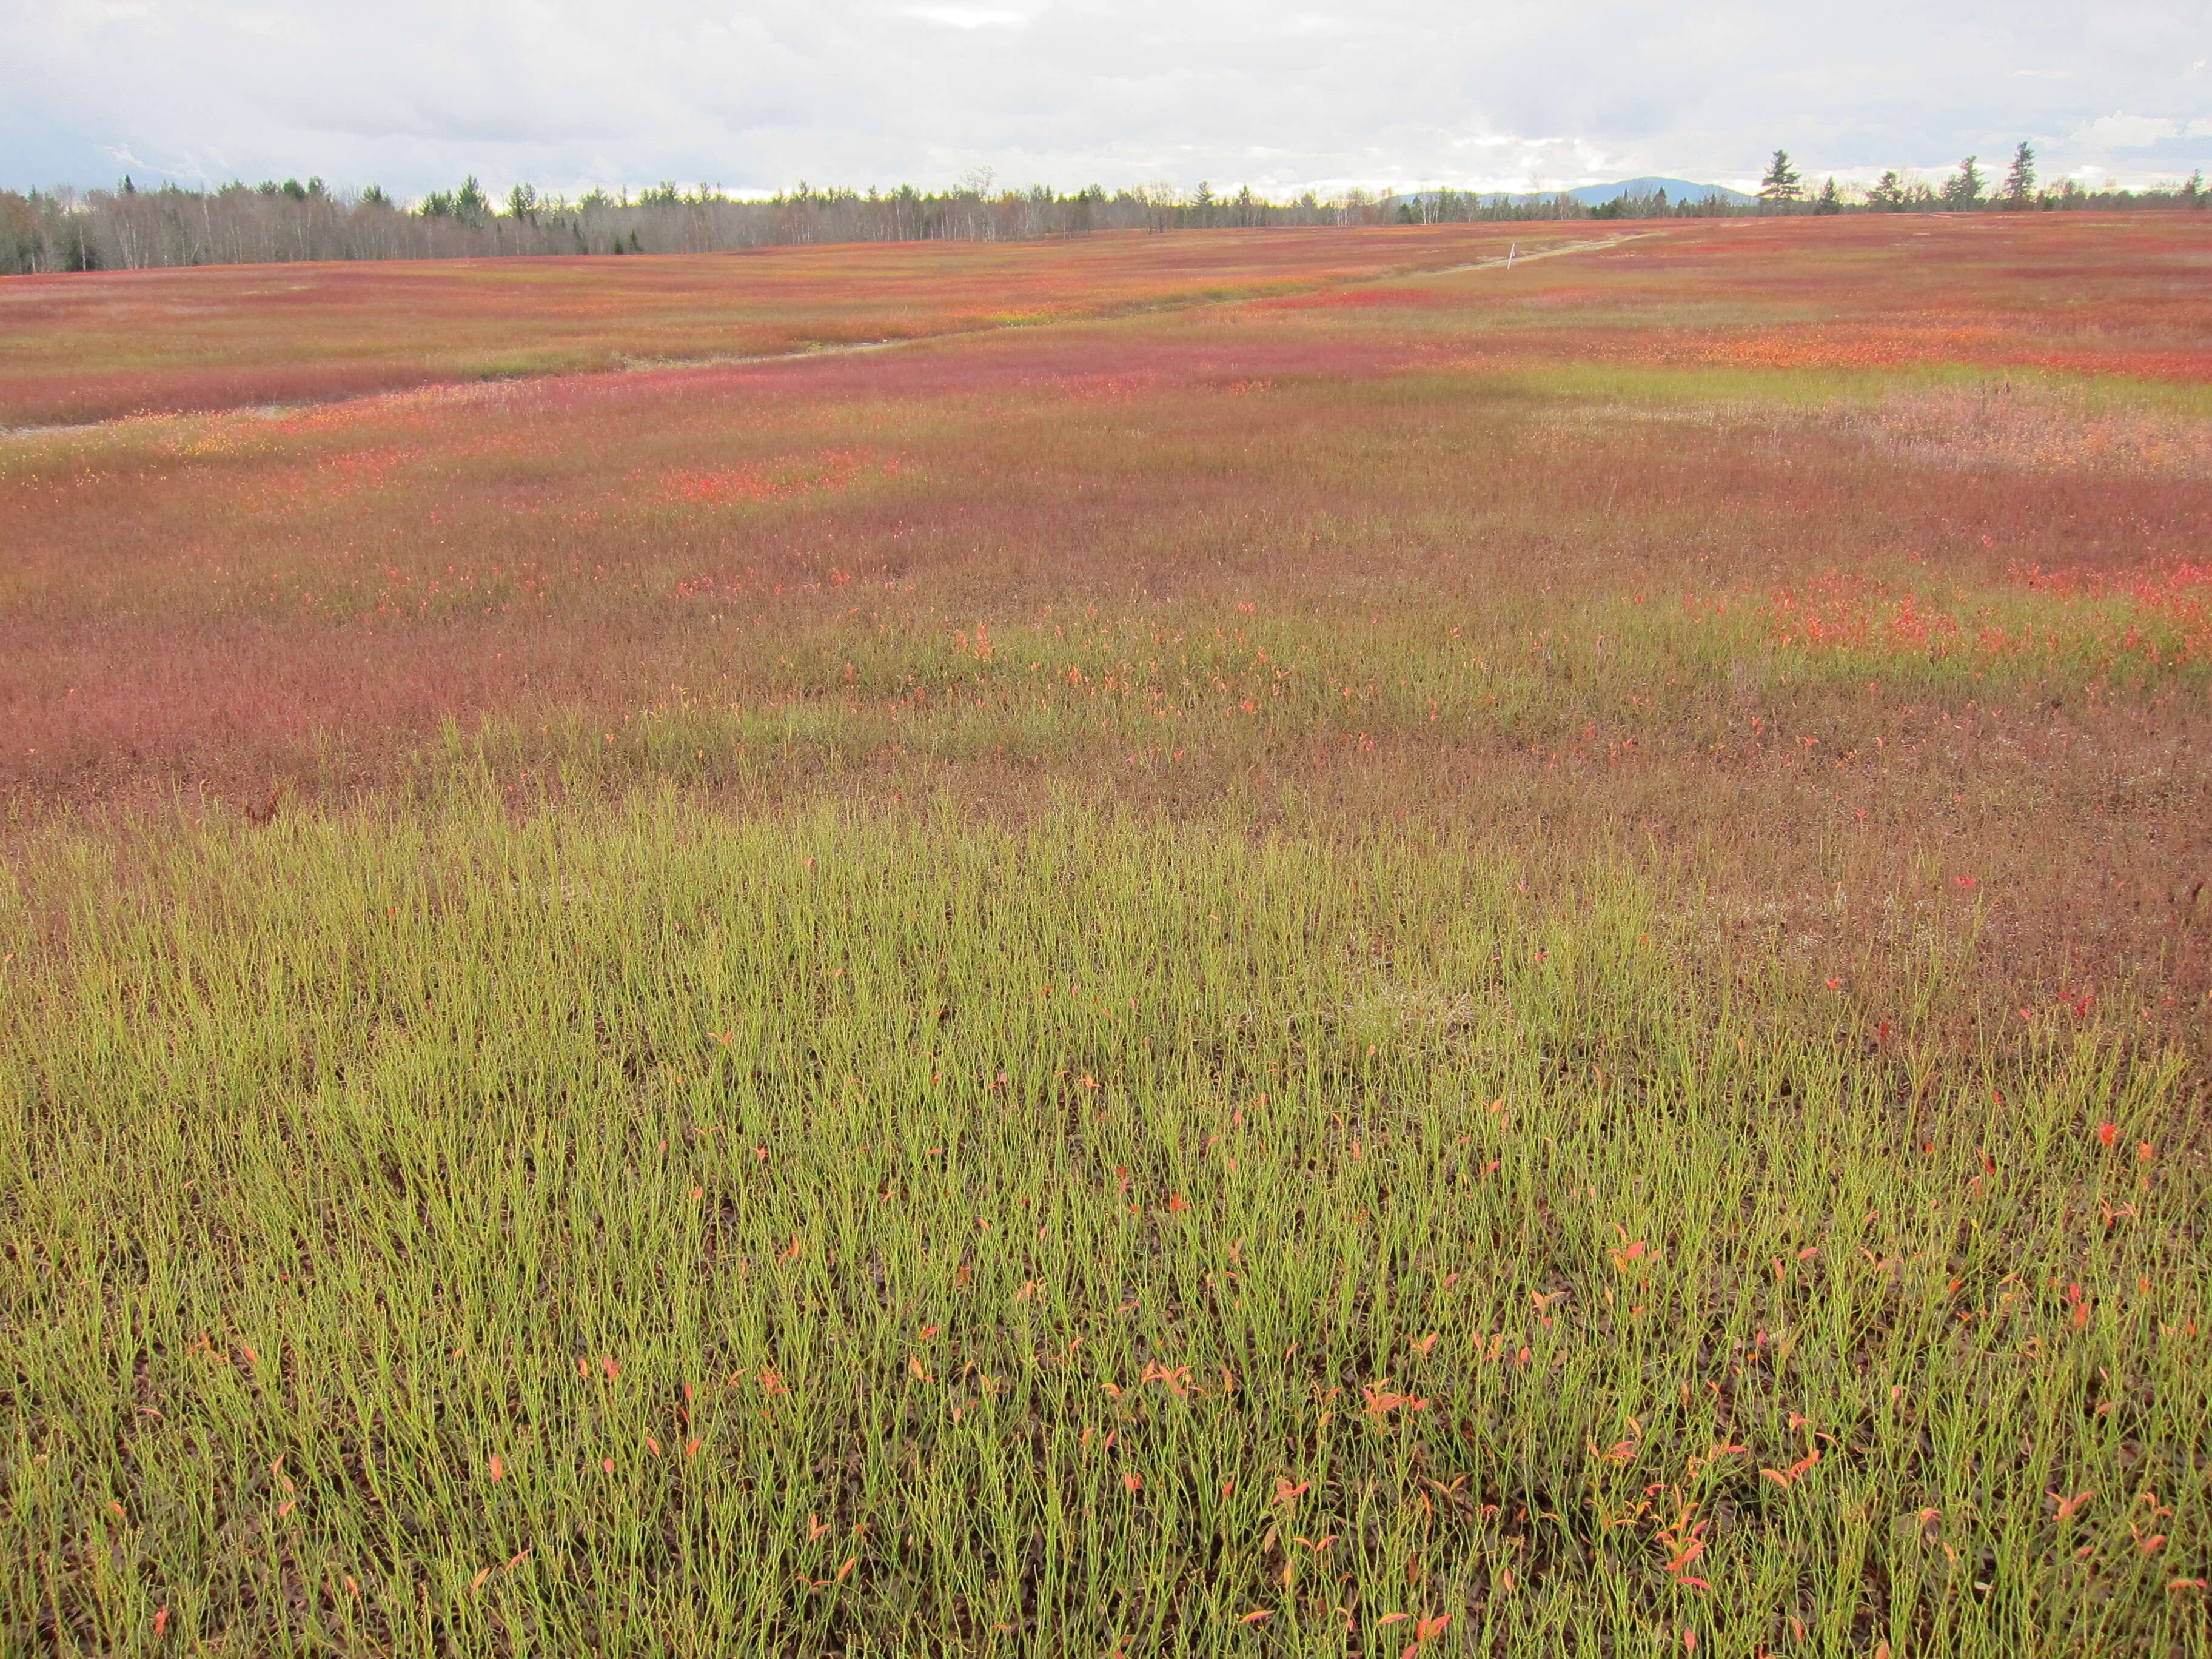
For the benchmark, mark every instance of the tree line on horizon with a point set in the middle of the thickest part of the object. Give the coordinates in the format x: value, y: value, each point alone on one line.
x: 1967, y: 190
x: 127, y: 227
x: 64, y: 229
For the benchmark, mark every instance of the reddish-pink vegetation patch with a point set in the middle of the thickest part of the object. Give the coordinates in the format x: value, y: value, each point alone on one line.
x: 2101, y: 293
x: 1360, y: 299
x: 2110, y: 621
x: 1584, y: 294
x: 228, y: 598
x: 82, y: 347
x: 694, y: 486
x: 1908, y: 341
x: 2181, y: 589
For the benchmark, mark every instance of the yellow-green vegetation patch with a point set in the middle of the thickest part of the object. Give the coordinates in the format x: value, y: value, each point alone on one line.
x: 646, y: 1230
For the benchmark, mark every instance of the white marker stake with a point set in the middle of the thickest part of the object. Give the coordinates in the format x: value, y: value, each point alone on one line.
x: 1510, y: 249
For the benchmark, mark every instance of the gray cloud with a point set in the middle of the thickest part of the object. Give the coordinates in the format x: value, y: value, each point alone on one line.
x: 755, y: 94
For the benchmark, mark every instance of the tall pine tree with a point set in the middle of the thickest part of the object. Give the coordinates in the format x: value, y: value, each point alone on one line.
x: 1963, y: 188
x: 1782, y: 184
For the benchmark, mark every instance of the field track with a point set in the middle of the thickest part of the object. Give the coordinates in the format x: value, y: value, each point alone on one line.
x: 77, y: 348
x: 808, y: 349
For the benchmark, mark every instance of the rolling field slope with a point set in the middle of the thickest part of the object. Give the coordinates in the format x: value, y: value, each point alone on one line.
x: 1325, y: 955
x: 77, y: 348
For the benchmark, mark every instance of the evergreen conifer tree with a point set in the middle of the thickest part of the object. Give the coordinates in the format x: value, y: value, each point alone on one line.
x: 1782, y: 184
x: 1963, y: 188
x: 471, y: 205
x: 2020, y: 182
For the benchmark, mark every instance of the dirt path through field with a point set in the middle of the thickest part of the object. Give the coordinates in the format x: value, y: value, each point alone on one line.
x: 1162, y: 307
x: 468, y: 388
x: 1513, y: 258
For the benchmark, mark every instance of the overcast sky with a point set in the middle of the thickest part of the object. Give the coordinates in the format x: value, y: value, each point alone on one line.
x: 757, y: 94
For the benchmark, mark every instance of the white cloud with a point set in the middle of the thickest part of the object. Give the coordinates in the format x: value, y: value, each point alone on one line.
x: 2127, y: 131
x: 968, y: 18
x: 759, y: 93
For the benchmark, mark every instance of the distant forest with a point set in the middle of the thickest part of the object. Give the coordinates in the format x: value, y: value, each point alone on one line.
x: 131, y: 229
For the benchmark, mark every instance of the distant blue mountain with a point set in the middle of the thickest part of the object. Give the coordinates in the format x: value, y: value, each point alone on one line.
x: 1678, y: 189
